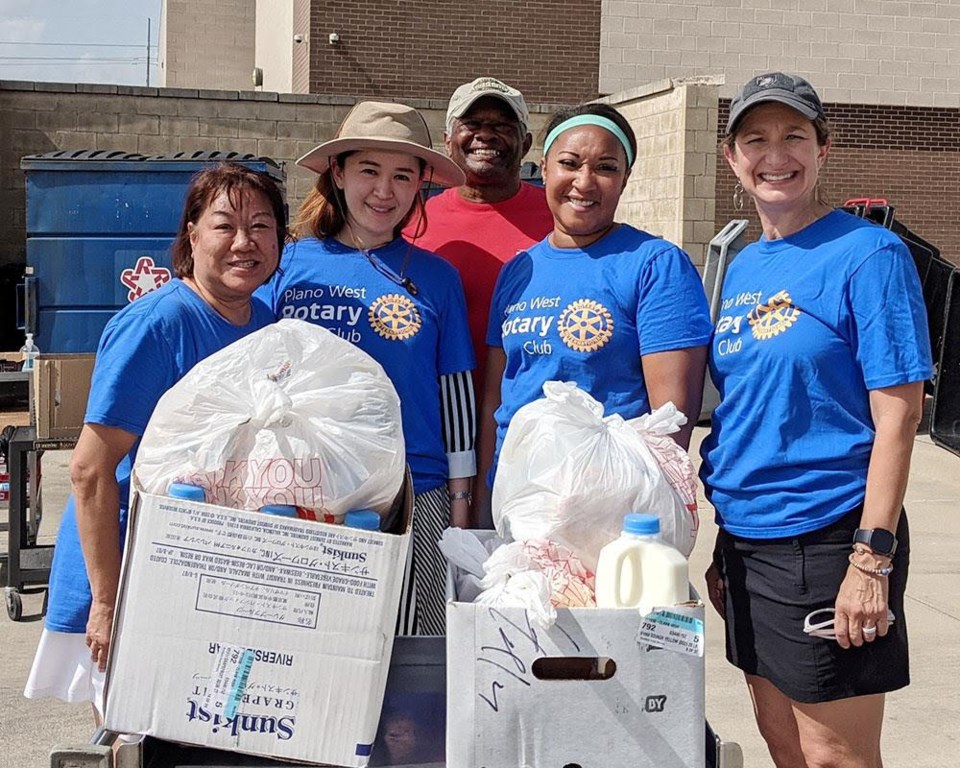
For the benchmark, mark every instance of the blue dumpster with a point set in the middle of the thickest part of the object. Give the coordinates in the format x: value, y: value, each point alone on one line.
x: 99, y: 228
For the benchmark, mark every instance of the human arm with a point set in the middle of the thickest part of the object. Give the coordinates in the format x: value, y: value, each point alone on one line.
x: 93, y: 467
x: 458, y: 415
x: 673, y: 344
x: 677, y: 376
x: 490, y: 402
x: 862, y: 597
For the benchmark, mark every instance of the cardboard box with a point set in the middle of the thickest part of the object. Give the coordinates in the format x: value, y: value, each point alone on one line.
x: 61, y: 386
x: 582, y: 693
x: 10, y: 361
x: 252, y: 633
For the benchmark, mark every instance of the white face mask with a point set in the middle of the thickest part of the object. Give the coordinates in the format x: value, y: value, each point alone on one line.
x: 824, y: 628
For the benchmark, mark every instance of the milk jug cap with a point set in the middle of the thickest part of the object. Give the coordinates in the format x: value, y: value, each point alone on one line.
x: 641, y: 524
x: 365, y: 519
x: 187, y: 491
x: 280, y: 510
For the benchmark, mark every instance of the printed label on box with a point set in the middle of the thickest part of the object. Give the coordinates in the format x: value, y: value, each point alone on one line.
x: 251, y: 569
x: 231, y: 670
x: 671, y: 630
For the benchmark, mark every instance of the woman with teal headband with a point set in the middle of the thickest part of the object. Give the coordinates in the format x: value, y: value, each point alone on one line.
x: 616, y: 310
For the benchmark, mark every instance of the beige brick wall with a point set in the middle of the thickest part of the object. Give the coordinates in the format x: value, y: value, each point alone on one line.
x: 854, y: 51
x: 670, y: 192
x: 207, y: 43
x: 671, y: 189
x: 43, y: 117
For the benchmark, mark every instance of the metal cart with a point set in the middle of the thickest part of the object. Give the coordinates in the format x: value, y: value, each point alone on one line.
x: 417, y: 668
x: 27, y: 564
x: 153, y: 753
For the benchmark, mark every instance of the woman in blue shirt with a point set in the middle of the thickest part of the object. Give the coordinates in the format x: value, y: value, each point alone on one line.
x: 351, y: 272
x: 820, y: 354
x: 228, y: 244
x: 612, y: 308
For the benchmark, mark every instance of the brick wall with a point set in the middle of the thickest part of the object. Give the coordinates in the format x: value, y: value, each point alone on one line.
x: 668, y: 192
x: 853, y: 51
x: 43, y: 117
x: 908, y: 155
x: 549, y: 49
x: 208, y: 43
x: 671, y: 189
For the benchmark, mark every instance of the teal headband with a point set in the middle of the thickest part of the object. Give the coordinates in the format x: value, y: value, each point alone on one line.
x: 601, y: 122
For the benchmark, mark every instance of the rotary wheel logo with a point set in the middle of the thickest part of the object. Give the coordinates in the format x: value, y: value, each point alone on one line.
x: 394, y: 317
x: 774, y: 317
x: 585, y: 325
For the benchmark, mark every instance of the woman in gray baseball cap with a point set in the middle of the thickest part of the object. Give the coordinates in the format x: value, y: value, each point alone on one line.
x: 820, y: 353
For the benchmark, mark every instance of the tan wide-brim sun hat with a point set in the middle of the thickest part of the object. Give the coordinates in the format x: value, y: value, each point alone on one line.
x: 385, y: 126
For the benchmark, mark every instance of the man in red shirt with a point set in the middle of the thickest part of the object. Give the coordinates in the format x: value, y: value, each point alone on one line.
x: 483, y: 224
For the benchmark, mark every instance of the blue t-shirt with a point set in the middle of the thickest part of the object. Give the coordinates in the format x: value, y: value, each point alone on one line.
x: 416, y: 338
x: 145, y: 349
x: 588, y: 316
x: 807, y: 326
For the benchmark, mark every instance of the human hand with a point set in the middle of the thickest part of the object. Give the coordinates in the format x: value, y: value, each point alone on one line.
x: 861, y: 609
x: 715, y: 589
x: 99, y: 627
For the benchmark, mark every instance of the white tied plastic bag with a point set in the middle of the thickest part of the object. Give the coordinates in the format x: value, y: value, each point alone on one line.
x: 291, y: 414
x: 511, y: 581
x: 569, y: 474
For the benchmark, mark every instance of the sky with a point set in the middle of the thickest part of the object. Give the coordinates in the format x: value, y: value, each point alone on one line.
x: 78, y: 41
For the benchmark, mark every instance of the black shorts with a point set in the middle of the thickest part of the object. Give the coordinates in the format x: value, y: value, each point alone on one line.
x: 772, y: 584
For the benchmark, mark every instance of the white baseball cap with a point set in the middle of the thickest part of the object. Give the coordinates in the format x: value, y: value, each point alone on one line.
x: 467, y: 94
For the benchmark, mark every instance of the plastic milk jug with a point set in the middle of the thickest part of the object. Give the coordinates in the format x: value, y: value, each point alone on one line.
x: 639, y: 570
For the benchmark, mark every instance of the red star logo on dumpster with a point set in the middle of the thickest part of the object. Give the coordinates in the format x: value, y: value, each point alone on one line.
x: 146, y: 276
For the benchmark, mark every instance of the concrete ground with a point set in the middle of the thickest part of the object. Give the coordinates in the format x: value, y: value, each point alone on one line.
x: 922, y: 727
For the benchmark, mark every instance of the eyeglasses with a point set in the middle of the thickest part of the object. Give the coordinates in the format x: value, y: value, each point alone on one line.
x: 496, y: 126
x: 824, y: 628
x: 400, y: 279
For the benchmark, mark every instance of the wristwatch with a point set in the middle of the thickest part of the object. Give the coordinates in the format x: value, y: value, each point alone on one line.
x: 881, y: 541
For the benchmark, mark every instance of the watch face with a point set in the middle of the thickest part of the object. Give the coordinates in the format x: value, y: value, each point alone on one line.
x: 879, y: 540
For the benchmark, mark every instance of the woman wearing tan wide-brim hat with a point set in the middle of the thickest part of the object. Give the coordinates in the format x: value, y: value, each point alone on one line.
x: 351, y: 272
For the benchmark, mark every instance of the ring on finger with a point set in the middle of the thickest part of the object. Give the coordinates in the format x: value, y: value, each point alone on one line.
x: 869, y: 630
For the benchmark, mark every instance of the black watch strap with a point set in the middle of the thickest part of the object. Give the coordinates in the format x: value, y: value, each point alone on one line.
x: 881, y: 541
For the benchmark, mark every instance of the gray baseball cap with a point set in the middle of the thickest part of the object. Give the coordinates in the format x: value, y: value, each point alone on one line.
x: 791, y: 90
x: 467, y: 94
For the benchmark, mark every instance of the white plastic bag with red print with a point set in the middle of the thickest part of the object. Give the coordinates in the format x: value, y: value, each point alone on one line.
x: 291, y: 414
x: 569, y: 474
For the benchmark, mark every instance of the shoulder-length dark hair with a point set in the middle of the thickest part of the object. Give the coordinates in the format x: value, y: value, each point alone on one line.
x: 233, y: 180
x: 323, y: 212
x: 601, y: 110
